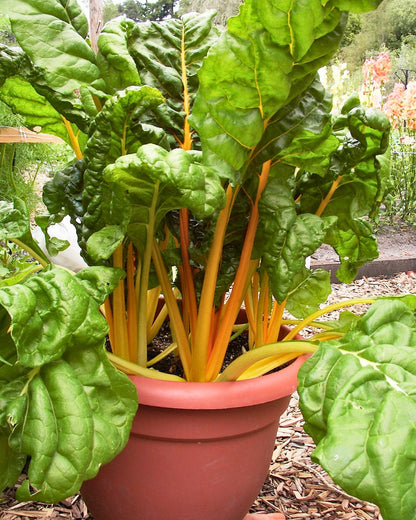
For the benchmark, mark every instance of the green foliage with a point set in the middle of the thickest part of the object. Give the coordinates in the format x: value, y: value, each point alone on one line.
x: 357, y: 398
x: 140, y: 11
x: 234, y: 132
x: 64, y: 409
x: 389, y: 25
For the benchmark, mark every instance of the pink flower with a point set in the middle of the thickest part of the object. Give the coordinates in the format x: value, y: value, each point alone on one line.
x: 377, y: 69
x: 394, y: 107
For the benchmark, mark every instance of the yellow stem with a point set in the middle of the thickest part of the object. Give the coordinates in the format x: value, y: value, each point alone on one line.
x: 176, y: 322
x: 131, y: 304
x: 136, y: 370
x: 275, y: 321
x: 73, y: 138
x: 162, y: 355
x: 325, y: 201
x: 121, y: 347
x: 257, y: 355
x: 335, y: 306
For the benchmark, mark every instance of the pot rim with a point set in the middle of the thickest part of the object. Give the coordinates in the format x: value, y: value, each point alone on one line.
x: 215, y: 395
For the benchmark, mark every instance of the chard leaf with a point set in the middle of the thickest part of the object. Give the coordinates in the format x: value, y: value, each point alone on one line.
x: 65, y: 409
x: 37, y: 319
x: 300, y: 134
x: 285, y: 238
x: 168, y: 56
x: 111, y: 397
x: 116, y: 65
x: 14, y: 225
x: 25, y: 90
x: 359, y: 178
x: 358, y: 400
x: 307, y: 291
x: 14, y: 219
x: 156, y: 181
x: 70, y: 61
x: 117, y: 130
x: 267, y: 44
x: 357, y: 6
x: 11, y: 463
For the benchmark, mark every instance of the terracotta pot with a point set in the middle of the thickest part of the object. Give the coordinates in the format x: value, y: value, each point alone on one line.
x: 197, y: 451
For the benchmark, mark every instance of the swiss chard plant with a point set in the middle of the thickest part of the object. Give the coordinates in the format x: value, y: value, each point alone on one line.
x: 207, y: 167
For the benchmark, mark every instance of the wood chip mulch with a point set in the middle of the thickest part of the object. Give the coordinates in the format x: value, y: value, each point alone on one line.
x: 295, y: 487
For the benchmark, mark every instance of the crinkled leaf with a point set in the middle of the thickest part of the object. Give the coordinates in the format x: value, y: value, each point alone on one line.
x: 63, y: 196
x: 52, y: 310
x: 111, y: 397
x: 26, y: 90
x: 267, y: 44
x: 11, y: 463
x: 360, y: 180
x: 300, y: 134
x: 116, y: 65
x: 116, y: 131
x: 358, y: 400
x: 307, y: 291
x: 14, y: 219
x: 157, y: 181
x: 14, y: 224
x: 65, y: 414
x: 70, y: 61
x: 284, y: 237
x: 168, y: 56
x: 102, y: 244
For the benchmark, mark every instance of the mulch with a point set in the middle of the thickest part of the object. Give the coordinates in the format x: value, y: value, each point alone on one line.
x: 295, y: 486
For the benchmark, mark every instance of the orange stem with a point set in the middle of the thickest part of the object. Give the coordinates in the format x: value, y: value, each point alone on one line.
x: 241, y: 282
x: 325, y: 201
x: 200, y: 346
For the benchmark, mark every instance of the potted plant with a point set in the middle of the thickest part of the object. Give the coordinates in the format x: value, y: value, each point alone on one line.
x: 208, y: 168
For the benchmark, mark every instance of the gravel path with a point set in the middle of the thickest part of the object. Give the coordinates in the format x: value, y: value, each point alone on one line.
x: 296, y: 487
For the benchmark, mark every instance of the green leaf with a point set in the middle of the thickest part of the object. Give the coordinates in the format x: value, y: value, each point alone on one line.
x: 285, y: 238
x: 11, y: 464
x: 357, y: 6
x: 300, y: 134
x: 26, y: 90
x: 267, y: 44
x: 52, y: 311
x: 156, y: 181
x: 64, y: 409
x: 112, y: 398
x: 357, y: 398
x: 116, y: 65
x: 361, y: 179
x: 117, y: 130
x: 102, y: 244
x: 168, y: 56
x: 70, y: 61
x: 307, y: 291
x: 14, y: 219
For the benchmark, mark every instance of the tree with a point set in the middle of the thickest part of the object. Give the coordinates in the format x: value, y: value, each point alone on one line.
x: 389, y: 25
x: 140, y: 11
x: 224, y: 9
